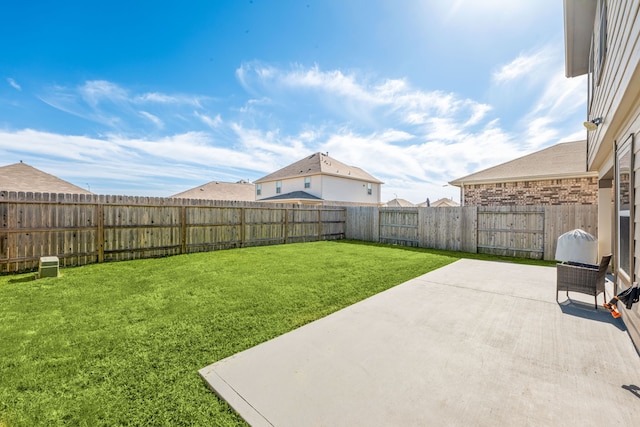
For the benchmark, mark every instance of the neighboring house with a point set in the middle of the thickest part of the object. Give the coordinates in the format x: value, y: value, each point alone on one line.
x: 441, y: 203
x: 601, y: 41
x: 217, y: 190
x: 399, y: 203
x: 318, y: 179
x: 556, y: 175
x: 22, y: 177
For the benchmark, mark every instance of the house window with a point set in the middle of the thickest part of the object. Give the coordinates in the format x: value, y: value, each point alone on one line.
x: 307, y: 182
x: 278, y: 187
x: 598, y: 52
x: 600, y: 44
x: 258, y: 189
x: 624, y: 208
x: 591, y: 85
x: 369, y: 189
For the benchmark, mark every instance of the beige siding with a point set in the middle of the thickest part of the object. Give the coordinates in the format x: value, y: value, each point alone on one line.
x: 349, y: 190
x: 617, y: 100
x: 327, y: 187
x: 291, y: 185
x: 619, y: 85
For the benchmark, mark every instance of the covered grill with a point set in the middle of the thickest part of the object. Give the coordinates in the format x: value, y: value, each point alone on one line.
x: 577, y: 246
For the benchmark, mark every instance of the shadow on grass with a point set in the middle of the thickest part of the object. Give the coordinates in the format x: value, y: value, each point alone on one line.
x: 23, y: 279
x: 454, y: 254
x: 587, y: 311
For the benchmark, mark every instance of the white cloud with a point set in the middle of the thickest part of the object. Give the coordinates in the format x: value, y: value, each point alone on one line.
x: 14, y: 84
x: 162, y: 98
x: 70, y: 147
x: 270, y: 148
x: 561, y: 101
x: 123, y: 161
x: 121, y: 109
x: 212, y: 122
x: 523, y: 65
x: 413, y: 139
x: 356, y: 98
x: 154, y: 119
x: 96, y: 91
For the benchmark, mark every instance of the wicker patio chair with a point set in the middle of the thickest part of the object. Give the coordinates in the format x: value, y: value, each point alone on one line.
x: 583, y: 278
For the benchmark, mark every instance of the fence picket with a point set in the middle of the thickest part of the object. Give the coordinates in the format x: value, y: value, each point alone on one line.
x: 89, y: 229
x: 83, y: 230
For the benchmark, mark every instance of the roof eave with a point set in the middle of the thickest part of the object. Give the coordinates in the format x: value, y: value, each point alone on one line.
x: 579, y: 18
x: 460, y: 182
x: 372, y: 180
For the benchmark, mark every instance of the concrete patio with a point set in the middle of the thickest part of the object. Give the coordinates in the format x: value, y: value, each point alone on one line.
x: 474, y: 343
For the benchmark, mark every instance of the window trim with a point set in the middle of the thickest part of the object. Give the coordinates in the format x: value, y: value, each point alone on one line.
x: 602, y: 41
x: 278, y: 187
x: 307, y: 182
x: 623, y: 276
x: 591, y: 86
x: 258, y: 189
x: 369, y: 188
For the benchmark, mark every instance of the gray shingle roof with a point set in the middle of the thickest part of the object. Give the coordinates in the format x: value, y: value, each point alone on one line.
x: 303, y: 195
x: 22, y: 177
x: 319, y: 163
x: 567, y: 159
x: 217, y: 190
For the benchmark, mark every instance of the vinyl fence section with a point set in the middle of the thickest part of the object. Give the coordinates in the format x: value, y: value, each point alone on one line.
x: 82, y: 229
x: 519, y: 231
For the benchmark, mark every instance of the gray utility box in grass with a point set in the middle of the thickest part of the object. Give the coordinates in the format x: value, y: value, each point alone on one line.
x: 49, y: 266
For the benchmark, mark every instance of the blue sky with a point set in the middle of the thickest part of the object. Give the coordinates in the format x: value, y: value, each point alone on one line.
x: 154, y: 98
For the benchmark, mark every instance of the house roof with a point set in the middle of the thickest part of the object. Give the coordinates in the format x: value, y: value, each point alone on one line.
x: 579, y: 16
x: 399, y: 203
x: 319, y: 163
x: 22, y: 177
x: 564, y: 160
x: 217, y: 190
x: 298, y: 195
x: 444, y: 202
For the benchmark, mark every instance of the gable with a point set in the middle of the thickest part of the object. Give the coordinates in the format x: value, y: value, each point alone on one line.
x: 21, y: 177
x: 319, y: 164
x: 568, y: 159
x: 217, y: 190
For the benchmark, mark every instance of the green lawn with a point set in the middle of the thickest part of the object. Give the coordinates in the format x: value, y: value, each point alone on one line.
x: 121, y: 343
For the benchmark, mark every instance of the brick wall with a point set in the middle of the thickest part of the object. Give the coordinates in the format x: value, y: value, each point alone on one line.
x: 569, y: 191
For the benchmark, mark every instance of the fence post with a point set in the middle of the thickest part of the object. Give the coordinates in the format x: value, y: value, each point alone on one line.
x: 183, y: 229
x: 242, y: 226
x: 100, y: 232
x: 379, y: 225
x: 544, y: 231
x: 286, y: 226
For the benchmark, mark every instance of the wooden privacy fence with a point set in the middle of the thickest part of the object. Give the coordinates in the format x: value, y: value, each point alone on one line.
x: 520, y: 231
x: 84, y: 229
